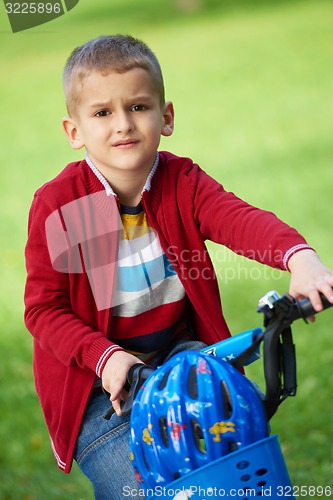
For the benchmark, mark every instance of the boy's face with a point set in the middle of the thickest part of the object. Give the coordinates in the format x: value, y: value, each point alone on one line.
x: 119, y: 119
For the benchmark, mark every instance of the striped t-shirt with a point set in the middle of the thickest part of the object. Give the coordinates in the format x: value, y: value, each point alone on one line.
x: 149, y: 299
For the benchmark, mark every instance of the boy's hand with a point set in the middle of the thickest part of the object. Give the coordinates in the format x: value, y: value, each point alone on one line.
x: 309, y: 278
x: 114, y: 377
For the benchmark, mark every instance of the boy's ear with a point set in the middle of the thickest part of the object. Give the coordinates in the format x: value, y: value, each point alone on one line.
x: 169, y: 119
x: 71, y: 130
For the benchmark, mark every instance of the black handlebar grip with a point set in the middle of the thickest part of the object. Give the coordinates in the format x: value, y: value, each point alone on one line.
x: 132, y: 373
x: 138, y: 374
x: 306, y: 309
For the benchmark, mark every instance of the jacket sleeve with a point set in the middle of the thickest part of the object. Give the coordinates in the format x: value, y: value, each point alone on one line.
x: 59, y: 330
x: 249, y: 231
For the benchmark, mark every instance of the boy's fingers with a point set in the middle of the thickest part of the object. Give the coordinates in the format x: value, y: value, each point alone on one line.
x: 117, y: 388
x: 314, y: 295
x: 325, y: 287
x: 116, y: 403
x: 315, y: 300
x: 327, y: 290
x: 311, y: 319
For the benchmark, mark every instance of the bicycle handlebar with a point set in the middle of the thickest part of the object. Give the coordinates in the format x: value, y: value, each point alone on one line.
x: 279, y: 351
x: 306, y: 308
x: 292, y: 308
x: 136, y: 376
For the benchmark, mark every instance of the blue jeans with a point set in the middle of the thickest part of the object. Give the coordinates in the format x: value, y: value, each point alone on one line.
x: 102, y: 449
x: 103, y: 454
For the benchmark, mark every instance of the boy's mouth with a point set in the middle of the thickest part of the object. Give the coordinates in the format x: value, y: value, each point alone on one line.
x: 125, y: 144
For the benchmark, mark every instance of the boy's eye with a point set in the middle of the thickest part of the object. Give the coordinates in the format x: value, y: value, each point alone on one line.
x: 138, y: 107
x: 103, y: 112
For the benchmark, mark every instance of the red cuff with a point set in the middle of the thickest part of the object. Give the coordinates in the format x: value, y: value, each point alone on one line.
x: 99, y: 353
x: 292, y: 251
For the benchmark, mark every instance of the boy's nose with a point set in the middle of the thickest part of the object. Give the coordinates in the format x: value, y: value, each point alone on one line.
x: 124, y: 123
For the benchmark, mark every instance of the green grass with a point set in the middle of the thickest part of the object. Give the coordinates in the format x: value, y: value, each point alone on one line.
x: 252, y: 87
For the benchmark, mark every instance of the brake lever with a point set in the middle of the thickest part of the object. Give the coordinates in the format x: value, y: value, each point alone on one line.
x: 136, y: 377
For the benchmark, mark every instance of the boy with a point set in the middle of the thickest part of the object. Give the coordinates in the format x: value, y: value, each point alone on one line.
x: 118, y: 272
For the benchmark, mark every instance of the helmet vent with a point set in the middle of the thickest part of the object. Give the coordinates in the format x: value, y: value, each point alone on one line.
x: 192, y: 383
x: 164, y: 431
x: 145, y: 461
x: 164, y: 381
x: 198, y: 436
x: 233, y: 446
x: 226, y: 399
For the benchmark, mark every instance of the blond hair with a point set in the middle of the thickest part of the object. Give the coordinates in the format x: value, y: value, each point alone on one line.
x: 119, y: 53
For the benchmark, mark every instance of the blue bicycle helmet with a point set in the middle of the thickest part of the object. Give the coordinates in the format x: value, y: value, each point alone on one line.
x: 191, y: 411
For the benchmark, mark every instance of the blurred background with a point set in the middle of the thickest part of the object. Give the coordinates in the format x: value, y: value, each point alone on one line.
x: 251, y: 83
